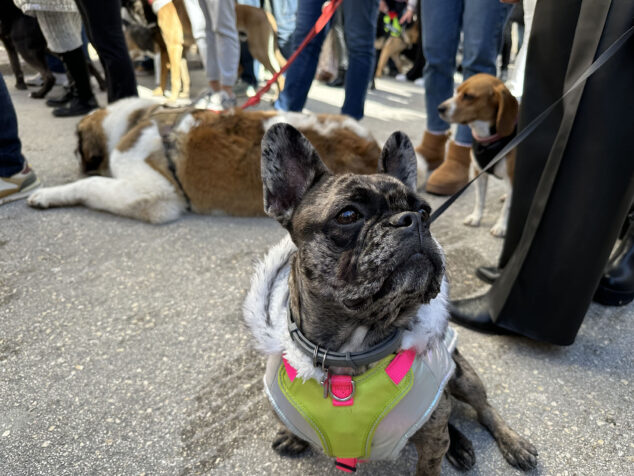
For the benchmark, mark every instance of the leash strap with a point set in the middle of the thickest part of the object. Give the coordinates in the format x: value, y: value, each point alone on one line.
x: 326, y: 14
x: 600, y: 61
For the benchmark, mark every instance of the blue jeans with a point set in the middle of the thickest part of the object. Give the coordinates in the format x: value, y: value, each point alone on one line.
x: 284, y: 12
x: 481, y: 22
x: 11, y: 159
x: 359, y: 27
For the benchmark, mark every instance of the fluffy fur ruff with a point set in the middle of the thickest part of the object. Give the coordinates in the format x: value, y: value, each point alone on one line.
x: 265, y: 309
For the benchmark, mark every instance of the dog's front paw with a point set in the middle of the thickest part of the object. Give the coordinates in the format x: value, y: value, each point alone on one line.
x: 39, y: 199
x: 498, y: 230
x: 472, y: 220
x: 518, y: 451
x: 287, y: 444
x: 460, y: 453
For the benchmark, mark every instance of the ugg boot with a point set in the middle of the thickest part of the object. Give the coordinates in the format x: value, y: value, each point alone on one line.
x: 432, y: 148
x: 453, y: 173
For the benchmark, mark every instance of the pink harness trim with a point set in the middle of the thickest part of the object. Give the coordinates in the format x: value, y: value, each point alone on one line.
x: 400, y: 365
x: 290, y: 370
x: 347, y: 465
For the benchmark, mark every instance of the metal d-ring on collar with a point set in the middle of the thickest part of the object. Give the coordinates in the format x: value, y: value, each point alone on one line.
x: 325, y: 358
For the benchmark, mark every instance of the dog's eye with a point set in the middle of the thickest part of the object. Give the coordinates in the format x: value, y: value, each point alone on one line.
x: 424, y: 214
x: 468, y: 97
x: 348, y: 215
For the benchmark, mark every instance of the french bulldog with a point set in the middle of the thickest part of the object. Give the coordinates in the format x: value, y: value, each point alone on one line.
x: 365, y: 262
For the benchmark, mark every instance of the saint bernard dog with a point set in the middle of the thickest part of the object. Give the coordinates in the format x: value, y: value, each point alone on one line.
x: 152, y: 163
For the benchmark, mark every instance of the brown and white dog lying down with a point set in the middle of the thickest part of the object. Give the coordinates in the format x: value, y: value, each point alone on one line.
x: 153, y: 163
x: 488, y: 107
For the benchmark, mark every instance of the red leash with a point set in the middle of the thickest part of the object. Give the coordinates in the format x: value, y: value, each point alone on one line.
x: 326, y: 14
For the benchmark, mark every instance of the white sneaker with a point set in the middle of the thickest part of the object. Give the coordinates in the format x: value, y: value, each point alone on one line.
x: 420, y: 82
x: 34, y: 80
x: 401, y: 77
x: 221, y: 101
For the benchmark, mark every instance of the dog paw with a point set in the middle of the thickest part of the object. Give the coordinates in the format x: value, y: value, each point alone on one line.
x: 39, y: 199
x: 498, y: 230
x: 287, y: 444
x: 20, y: 85
x: 460, y: 453
x: 472, y: 220
x: 518, y: 451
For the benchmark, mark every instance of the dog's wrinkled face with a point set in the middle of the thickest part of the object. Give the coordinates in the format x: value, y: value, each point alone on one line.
x: 365, y: 253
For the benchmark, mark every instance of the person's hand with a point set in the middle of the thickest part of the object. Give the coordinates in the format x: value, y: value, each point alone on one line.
x: 407, y: 16
x: 383, y: 6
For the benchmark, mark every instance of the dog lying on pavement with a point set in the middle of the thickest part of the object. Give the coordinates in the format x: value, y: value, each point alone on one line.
x: 488, y: 107
x: 153, y: 163
x: 351, y: 310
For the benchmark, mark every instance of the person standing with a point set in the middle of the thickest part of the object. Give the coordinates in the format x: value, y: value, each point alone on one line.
x: 17, y: 179
x: 574, y: 176
x: 60, y: 23
x: 104, y: 28
x: 359, y: 27
x: 223, y: 53
x: 481, y: 23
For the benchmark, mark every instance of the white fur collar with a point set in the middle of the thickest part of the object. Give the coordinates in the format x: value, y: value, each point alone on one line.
x: 264, y: 313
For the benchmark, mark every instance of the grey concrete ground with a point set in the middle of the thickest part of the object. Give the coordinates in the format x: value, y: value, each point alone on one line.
x: 122, y: 351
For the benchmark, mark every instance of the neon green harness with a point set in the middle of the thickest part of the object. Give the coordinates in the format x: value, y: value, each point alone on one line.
x: 347, y: 431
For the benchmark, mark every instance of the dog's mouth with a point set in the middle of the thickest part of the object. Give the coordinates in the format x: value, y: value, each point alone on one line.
x: 416, y: 274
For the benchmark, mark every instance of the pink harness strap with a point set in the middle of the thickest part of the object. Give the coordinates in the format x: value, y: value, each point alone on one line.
x: 348, y: 465
x: 341, y: 387
x: 290, y: 370
x: 398, y: 368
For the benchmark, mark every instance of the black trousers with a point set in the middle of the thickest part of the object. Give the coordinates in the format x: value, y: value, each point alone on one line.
x: 574, y: 176
x: 102, y: 19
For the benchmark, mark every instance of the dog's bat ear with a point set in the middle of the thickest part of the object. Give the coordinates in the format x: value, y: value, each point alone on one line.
x: 398, y: 159
x: 507, y: 111
x: 290, y: 167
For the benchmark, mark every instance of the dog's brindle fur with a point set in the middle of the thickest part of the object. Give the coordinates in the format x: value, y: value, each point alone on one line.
x: 365, y: 262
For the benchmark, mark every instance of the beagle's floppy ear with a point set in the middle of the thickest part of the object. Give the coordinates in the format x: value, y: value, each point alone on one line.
x: 507, y: 111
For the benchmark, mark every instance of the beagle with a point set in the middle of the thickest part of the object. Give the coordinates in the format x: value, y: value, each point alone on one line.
x: 488, y: 107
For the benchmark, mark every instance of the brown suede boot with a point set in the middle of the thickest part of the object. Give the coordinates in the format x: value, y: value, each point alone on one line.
x: 453, y: 173
x: 432, y: 148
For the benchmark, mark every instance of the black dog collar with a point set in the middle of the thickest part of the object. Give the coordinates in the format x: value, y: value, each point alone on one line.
x: 325, y: 359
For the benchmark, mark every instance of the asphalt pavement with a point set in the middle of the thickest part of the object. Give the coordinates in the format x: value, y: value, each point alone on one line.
x: 122, y: 350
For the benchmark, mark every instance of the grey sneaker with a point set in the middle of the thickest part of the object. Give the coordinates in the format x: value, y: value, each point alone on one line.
x: 18, y: 186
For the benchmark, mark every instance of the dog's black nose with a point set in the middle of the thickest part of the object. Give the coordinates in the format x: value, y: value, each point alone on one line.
x: 442, y: 109
x: 404, y: 220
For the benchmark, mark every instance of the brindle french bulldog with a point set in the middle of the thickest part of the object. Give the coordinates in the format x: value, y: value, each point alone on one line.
x: 366, y: 259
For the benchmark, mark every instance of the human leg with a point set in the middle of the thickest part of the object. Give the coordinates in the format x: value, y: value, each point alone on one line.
x: 103, y: 26
x: 300, y: 74
x: 16, y: 178
x: 359, y: 22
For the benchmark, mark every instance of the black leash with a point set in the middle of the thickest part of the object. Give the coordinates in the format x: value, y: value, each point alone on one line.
x: 600, y: 61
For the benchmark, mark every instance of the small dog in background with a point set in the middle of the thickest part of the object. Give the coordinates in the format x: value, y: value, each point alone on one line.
x: 486, y: 105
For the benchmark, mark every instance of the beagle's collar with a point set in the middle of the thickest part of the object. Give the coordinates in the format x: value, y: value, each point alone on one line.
x: 492, y: 138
